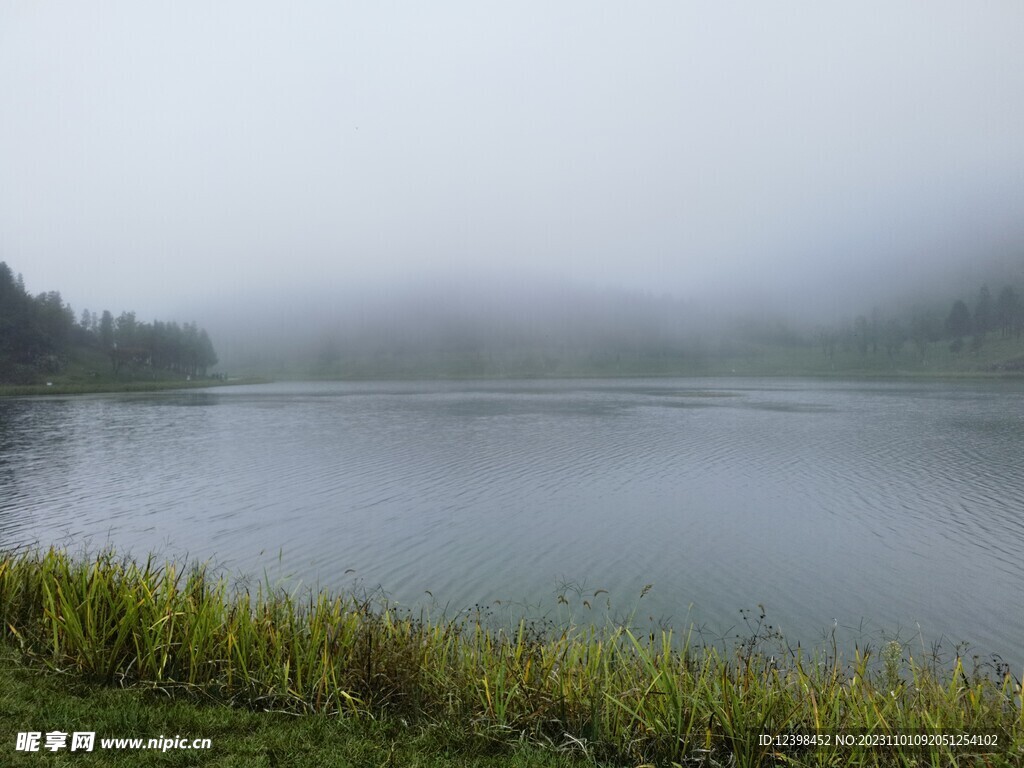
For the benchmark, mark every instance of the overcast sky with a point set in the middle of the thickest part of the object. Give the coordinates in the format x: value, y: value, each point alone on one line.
x: 155, y: 155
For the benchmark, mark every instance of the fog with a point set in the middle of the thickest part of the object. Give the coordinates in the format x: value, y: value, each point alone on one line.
x: 312, y: 170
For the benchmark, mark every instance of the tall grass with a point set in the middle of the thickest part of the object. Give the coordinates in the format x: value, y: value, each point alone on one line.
x: 605, y: 691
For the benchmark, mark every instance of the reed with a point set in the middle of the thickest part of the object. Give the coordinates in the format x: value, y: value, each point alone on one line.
x: 607, y: 692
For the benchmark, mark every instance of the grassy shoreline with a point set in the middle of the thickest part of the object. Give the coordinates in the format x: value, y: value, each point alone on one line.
x: 108, y: 388
x: 1000, y: 359
x: 114, y: 387
x: 601, y: 693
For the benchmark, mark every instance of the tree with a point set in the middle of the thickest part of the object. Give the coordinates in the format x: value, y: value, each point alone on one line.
x: 19, y: 333
x: 34, y: 332
x: 984, y: 312
x: 125, y: 329
x: 206, y: 357
x: 175, y: 360
x: 106, y: 329
x: 958, y: 323
x: 54, y: 318
x: 197, y: 350
x: 1007, y: 311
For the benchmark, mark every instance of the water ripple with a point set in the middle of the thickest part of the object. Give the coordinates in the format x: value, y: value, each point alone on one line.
x: 818, y: 499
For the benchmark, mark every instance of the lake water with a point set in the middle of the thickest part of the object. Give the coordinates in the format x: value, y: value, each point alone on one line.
x: 895, y: 508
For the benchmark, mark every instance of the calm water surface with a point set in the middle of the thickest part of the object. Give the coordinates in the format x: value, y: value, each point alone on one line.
x: 891, y: 507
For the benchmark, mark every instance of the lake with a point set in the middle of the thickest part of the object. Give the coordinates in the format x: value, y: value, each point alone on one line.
x: 893, y: 508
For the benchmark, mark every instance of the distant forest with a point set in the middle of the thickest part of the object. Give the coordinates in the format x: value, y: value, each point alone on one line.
x: 966, y: 327
x: 508, y: 334
x: 39, y: 337
x: 616, y: 333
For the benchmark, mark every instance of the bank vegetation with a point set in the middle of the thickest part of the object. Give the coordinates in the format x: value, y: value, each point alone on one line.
x: 607, y: 693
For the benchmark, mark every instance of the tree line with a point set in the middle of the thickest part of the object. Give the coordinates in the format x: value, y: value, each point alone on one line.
x: 39, y: 333
x: 1004, y: 314
x: 966, y: 326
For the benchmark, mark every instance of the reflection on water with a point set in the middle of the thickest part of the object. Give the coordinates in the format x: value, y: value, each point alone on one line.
x: 888, y: 506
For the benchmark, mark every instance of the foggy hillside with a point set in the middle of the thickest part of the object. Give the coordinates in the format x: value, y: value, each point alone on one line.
x: 481, y: 327
x: 490, y: 326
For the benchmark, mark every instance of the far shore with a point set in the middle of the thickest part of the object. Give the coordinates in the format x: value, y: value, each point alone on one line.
x: 112, y: 387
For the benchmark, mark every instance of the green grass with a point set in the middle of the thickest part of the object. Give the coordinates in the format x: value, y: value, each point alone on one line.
x: 33, y: 699
x: 88, y: 371
x: 468, y: 689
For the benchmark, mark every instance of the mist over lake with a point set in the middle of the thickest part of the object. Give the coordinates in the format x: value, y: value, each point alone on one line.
x: 891, y: 507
